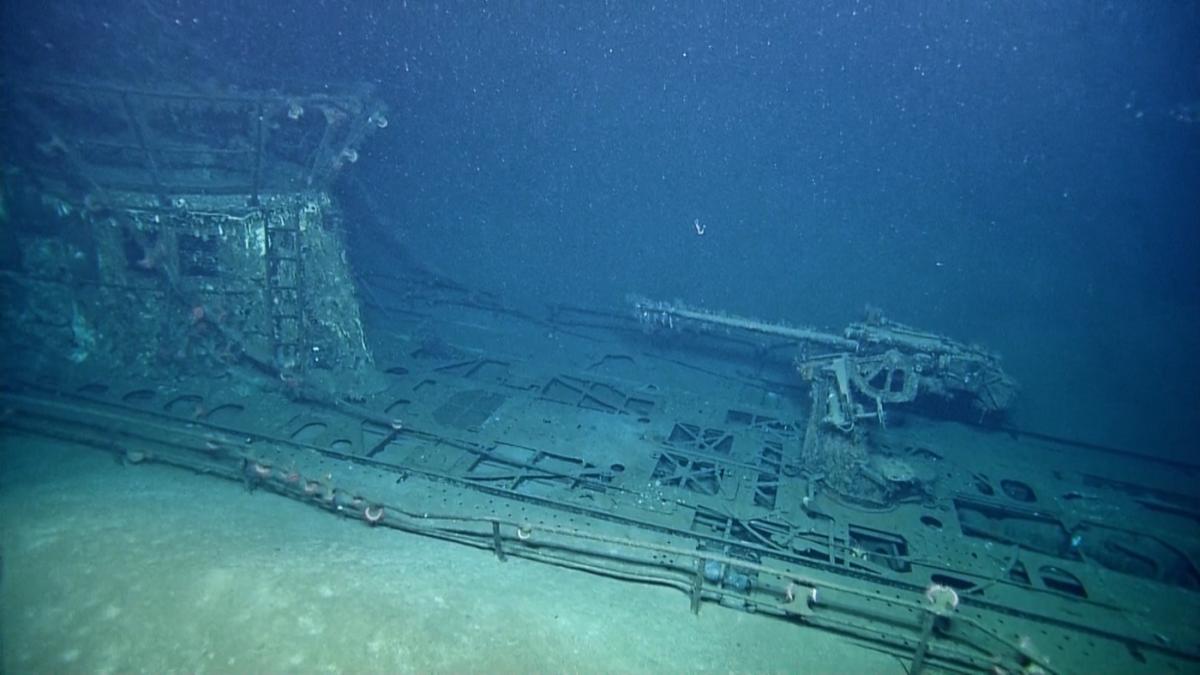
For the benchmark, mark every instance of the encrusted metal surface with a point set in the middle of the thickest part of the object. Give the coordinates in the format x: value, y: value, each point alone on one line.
x: 707, y: 489
x: 194, y: 290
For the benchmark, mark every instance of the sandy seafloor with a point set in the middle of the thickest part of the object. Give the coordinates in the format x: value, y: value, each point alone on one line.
x: 147, y: 568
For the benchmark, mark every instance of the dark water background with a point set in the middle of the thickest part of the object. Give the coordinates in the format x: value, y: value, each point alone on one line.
x: 1012, y: 173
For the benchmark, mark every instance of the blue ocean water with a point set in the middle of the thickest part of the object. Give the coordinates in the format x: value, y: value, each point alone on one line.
x: 1022, y: 175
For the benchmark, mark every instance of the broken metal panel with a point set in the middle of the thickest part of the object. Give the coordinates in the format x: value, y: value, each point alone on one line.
x: 204, y: 286
x: 182, y: 231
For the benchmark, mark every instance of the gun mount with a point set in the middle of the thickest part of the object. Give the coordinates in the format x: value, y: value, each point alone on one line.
x: 872, y: 363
